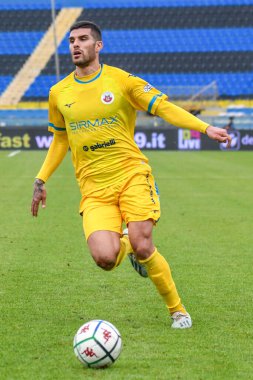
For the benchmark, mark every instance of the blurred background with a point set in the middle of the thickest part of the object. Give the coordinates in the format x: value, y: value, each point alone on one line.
x: 199, y: 52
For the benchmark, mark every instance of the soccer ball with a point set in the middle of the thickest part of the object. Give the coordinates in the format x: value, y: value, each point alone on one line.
x: 97, y: 344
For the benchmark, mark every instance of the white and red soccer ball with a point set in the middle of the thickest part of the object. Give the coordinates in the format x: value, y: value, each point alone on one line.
x: 97, y: 344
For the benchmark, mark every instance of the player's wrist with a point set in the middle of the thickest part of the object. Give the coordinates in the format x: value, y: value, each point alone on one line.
x: 206, y: 128
x: 38, y: 182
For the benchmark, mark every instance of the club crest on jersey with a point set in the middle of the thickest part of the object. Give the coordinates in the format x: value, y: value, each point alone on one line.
x: 107, y: 97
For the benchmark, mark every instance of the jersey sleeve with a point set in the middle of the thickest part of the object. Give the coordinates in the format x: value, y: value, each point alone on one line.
x: 56, y: 123
x: 179, y: 117
x: 142, y: 95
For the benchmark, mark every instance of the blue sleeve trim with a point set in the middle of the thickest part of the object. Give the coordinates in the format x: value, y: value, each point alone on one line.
x: 152, y: 101
x: 56, y: 128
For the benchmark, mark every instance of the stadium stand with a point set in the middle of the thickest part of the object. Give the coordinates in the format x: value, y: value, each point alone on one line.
x: 172, y: 43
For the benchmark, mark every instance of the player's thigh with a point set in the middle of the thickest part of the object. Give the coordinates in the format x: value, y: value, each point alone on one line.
x: 101, y: 215
x: 139, y: 199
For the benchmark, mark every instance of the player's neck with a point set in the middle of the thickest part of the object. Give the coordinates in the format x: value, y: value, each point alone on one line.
x: 83, y: 71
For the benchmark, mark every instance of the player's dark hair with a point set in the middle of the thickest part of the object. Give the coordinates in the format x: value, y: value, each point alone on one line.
x: 95, y: 30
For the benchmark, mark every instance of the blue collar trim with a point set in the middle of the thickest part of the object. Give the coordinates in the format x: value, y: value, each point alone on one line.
x: 89, y: 81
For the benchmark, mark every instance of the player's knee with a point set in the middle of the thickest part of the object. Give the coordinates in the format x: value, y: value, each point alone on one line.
x: 105, y: 260
x: 143, y: 248
x: 106, y: 263
x: 104, y: 251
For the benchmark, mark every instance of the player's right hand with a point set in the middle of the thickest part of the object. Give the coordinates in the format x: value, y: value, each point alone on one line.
x: 219, y: 134
x: 39, y: 195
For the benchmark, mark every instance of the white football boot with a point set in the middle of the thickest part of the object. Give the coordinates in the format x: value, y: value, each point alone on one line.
x: 181, y: 320
x: 135, y: 263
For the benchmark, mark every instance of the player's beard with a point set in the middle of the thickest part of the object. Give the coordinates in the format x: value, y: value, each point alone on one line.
x: 84, y: 60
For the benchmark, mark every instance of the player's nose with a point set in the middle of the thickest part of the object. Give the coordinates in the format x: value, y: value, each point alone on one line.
x: 76, y: 44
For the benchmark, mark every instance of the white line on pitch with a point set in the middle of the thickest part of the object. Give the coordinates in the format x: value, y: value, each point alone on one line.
x: 14, y: 153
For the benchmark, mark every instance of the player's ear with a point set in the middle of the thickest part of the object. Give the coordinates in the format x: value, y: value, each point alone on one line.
x: 99, y: 46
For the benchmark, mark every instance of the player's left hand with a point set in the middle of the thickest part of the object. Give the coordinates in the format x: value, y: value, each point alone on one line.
x: 39, y: 195
x: 219, y: 134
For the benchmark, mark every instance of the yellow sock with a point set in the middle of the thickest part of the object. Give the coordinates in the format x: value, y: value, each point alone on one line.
x: 159, y: 272
x: 125, y: 248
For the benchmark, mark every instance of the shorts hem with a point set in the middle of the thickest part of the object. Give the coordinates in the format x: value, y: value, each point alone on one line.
x: 155, y: 220
x: 101, y: 229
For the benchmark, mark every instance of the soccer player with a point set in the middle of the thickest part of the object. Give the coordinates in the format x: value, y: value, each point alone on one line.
x: 93, y: 111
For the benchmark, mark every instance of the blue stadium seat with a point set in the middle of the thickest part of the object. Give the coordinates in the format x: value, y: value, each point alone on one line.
x: 45, y: 4
x: 177, y: 42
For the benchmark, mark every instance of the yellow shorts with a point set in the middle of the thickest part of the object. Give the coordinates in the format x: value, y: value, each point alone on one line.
x: 131, y: 200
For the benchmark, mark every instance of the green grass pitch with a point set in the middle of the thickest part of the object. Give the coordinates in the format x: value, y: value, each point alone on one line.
x: 50, y: 285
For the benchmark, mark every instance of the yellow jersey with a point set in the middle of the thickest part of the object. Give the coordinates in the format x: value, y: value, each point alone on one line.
x: 98, y: 113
